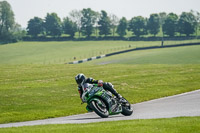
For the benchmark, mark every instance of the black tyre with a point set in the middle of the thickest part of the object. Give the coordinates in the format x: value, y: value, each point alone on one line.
x: 99, y: 109
x: 126, y: 108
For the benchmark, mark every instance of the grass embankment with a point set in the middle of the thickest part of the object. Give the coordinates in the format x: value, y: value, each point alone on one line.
x: 62, y: 52
x: 175, y: 55
x: 30, y: 92
x: 59, y: 52
x: 171, y: 125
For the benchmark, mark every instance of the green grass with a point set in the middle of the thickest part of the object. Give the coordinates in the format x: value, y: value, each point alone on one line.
x: 58, y: 52
x: 62, y: 52
x: 171, y: 125
x: 36, y: 84
x: 176, y: 55
x: 30, y: 92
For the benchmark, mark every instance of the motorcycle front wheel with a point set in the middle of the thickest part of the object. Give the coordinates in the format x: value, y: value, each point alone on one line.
x: 99, y: 108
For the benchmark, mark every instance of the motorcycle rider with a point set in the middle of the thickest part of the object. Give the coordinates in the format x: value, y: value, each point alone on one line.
x: 81, y: 79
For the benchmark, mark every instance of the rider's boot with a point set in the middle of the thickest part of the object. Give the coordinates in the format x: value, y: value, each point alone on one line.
x: 88, y: 108
x: 108, y: 86
x: 119, y: 96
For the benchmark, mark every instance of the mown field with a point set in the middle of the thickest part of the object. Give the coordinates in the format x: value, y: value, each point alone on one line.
x: 62, y: 52
x: 31, y: 88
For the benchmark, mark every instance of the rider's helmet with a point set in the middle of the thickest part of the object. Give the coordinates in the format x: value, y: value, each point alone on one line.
x: 80, y: 79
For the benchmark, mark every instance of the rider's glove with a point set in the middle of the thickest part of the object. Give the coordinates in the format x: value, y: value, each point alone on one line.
x: 83, y: 100
x: 100, y: 83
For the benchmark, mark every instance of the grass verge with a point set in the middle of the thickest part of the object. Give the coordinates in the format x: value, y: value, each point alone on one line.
x: 176, y: 55
x: 63, y: 52
x: 170, y: 125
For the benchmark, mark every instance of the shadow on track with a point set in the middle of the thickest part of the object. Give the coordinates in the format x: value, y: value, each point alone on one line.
x: 96, y: 118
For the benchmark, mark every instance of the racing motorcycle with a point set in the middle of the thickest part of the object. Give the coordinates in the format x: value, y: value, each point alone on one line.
x: 103, y: 103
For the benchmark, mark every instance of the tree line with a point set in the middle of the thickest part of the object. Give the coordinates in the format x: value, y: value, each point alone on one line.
x: 87, y: 22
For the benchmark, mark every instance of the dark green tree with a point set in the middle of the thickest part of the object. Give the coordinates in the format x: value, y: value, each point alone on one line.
x: 154, y: 24
x: 138, y: 25
x: 121, y: 29
x: 104, y: 24
x: 7, y: 20
x: 87, y: 21
x: 197, y: 17
x: 35, y: 26
x: 170, y: 24
x: 198, y: 22
x: 187, y: 23
x: 69, y: 27
x: 53, y: 25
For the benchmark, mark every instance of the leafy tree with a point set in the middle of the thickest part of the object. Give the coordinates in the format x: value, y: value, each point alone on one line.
x: 53, y: 24
x: 96, y: 25
x: 197, y: 17
x: 35, y: 26
x: 198, y: 22
x: 187, y: 23
x: 138, y: 25
x: 114, y: 23
x: 162, y: 17
x: 75, y: 16
x: 121, y: 29
x: 104, y: 24
x: 170, y: 24
x: 154, y: 24
x: 69, y: 27
x: 7, y: 20
x: 87, y: 21
x: 17, y: 32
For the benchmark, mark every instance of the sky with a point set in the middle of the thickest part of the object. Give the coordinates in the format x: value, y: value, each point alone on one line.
x: 25, y: 10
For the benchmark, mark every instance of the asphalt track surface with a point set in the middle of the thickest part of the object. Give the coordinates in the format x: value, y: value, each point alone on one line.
x: 186, y: 104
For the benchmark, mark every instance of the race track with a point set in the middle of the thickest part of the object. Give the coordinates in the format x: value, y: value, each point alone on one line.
x: 186, y: 104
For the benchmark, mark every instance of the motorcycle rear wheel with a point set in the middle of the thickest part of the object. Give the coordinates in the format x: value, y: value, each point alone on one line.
x: 126, y: 108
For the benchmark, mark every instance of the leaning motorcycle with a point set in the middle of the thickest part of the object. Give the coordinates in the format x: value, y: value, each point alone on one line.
x: 103, y: 103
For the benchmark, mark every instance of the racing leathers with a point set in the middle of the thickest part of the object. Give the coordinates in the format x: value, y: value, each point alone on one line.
x: 106, y: 85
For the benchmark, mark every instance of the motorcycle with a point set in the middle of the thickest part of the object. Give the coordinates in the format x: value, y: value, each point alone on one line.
x: 103, y: 103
